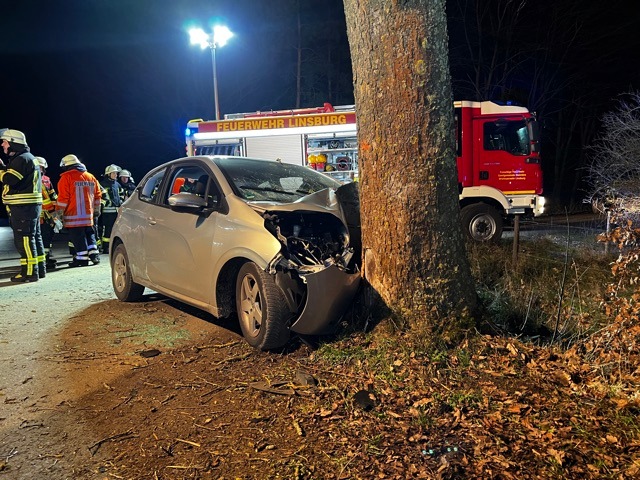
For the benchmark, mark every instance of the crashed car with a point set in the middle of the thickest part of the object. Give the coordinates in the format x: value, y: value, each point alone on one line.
x: 277, y: 244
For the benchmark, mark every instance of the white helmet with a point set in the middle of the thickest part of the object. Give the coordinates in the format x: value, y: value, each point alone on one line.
x: 42, y: 162
x: 111, y: 168
x: 125, y: 173
x: 69, y: 160
x: 14, y: 136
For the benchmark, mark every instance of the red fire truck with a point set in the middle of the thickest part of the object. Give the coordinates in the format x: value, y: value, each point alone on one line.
x: 498, y: 155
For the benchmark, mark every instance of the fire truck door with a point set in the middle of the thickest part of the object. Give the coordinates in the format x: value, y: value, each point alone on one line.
x: 502, y: 148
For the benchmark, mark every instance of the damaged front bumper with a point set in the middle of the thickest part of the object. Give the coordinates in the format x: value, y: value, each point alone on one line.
x: 329, y: 295
x: 318, y: 265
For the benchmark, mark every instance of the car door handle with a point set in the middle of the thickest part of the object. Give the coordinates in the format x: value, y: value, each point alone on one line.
x: 151, y: 220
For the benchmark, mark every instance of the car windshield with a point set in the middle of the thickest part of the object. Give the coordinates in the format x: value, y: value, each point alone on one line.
x: 262, y: 180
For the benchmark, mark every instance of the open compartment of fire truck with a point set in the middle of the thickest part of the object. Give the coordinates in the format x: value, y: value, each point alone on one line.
x: 334, y: 155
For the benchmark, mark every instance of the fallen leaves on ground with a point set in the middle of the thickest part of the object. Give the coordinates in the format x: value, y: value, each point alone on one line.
x: 495, y: 408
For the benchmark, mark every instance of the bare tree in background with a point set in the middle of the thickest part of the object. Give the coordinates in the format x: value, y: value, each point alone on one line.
x: 487, y: 50
x: 614, y: 174
x: 413, y: 251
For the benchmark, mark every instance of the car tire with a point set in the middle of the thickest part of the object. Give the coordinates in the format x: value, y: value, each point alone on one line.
x: 261, y: 307
x: 481, y: 222
x: 123, y: 285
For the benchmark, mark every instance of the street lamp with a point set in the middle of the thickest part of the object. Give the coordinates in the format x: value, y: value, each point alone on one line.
x: 218, y: 38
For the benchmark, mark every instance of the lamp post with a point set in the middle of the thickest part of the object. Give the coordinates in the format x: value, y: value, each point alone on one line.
x: 217, y: 38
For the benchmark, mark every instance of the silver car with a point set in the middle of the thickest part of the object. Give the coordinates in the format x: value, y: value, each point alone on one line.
x: 278, y: 244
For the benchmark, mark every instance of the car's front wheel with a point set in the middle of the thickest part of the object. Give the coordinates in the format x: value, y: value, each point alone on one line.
x: 262, y: 309
x: 123, y: 285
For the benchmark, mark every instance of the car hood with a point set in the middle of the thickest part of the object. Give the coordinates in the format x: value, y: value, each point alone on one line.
x: 322, y: 201
x: 343, y: 202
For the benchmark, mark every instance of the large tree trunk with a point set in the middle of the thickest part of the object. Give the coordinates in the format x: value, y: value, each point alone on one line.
x: 413, y: 249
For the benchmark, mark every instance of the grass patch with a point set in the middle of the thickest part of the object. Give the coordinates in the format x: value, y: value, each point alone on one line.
x: 550, y: 293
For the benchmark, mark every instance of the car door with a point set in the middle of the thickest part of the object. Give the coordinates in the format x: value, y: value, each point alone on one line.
x: 178, y: 244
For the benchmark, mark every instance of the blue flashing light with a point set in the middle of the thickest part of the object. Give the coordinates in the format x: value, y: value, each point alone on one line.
x: 508, y: 103
x: 187, y: 132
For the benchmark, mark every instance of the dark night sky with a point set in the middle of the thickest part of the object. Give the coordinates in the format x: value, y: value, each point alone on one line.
x: 115, y: 81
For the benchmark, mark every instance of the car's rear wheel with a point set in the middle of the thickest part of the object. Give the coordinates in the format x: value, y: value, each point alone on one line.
x: 123, y: 285
x: 262, y: 309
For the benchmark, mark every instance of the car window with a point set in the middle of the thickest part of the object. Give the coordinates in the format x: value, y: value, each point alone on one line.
x: 194, y: 179
x: 151, y: 187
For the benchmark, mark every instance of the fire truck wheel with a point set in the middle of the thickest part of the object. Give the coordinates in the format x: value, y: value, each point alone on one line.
x: 262, y: 308
x: 124, y: 287
x: 481, y: 222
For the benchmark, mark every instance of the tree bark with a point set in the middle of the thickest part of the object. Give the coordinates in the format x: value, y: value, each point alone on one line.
x: 413, y: 250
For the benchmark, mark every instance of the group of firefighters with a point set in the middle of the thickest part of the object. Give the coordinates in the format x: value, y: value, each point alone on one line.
x: 85, y: 207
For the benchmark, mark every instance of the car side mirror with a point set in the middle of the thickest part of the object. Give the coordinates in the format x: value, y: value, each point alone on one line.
x: 189, y: 202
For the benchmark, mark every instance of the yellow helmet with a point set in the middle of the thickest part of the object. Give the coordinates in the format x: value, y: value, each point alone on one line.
x: 112, y: 168
x: 69, y: 160
x: 14, y: 136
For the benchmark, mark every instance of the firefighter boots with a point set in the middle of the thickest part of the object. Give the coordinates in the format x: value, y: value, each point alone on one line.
x: 22, y: 277
x: 42, y: 270
x: 78, y: 263
x: 52, y: 263
x: 95, y: 258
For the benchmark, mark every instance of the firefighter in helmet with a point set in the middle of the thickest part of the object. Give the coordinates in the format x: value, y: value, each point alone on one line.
x: 126, y: 182
x: 22, y: 196
x: 110, y: 203
x: 49, y: 224
x: 78, y: 204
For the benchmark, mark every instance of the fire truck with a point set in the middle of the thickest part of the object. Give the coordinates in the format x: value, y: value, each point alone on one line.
x: 498, y: 154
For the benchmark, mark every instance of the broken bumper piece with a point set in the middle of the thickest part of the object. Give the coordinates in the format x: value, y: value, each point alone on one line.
x: 329, y: 295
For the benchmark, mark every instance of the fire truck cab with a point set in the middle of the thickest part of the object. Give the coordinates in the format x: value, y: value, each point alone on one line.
x: 498, y: 157
x: 499, y: 166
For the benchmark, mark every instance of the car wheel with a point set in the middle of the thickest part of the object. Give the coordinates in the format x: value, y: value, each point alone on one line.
x: 262, y: 309
x: 123, y: 285
x: 481, y: 222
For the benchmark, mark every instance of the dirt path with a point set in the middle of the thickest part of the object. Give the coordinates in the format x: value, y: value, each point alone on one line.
x: 61, y: 339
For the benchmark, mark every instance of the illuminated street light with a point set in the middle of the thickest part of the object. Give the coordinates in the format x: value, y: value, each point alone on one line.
x: 218, y: 38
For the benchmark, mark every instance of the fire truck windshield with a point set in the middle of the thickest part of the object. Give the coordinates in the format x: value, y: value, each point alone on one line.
x: 508, y: 135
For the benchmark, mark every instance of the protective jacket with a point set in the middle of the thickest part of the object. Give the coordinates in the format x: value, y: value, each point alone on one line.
x: 114, y: 197
x: 21, y: 180
x: 79, y: 196
x: 49, y: 197
x: 128, y: 188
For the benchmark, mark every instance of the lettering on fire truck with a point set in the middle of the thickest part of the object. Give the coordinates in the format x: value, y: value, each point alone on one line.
x: 512, y: 175
x: 279, y: 122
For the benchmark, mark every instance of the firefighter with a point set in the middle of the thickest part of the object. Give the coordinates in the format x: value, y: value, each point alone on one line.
x: 49, y: 224
x: 126, y: 182
x: 110, y: 203
x: 22, y: 196
x: 78, y: 203
x: 97, y: 228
